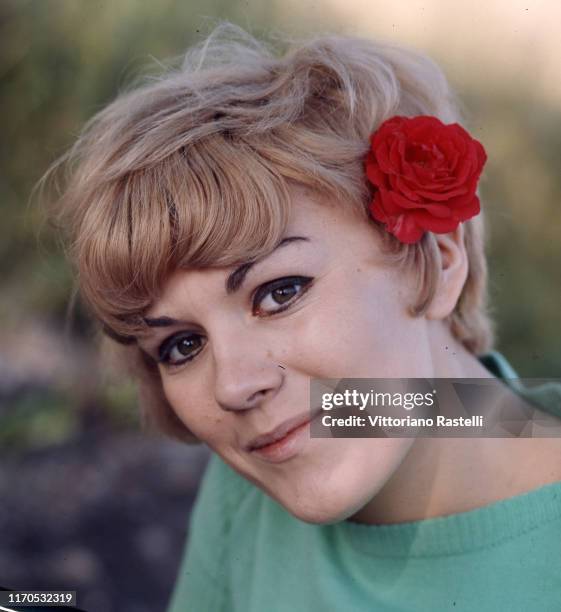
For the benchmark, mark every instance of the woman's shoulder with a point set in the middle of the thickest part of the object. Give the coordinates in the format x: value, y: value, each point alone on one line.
x: 202, y: 579
x: 542, y: 393
x: 236, y: 511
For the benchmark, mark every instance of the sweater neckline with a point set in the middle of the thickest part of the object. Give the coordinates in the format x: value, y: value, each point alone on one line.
x: 458, y: 533
x: 463, y: 532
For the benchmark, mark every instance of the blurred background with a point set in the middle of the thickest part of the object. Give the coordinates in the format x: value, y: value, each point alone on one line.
x: 88, y: 502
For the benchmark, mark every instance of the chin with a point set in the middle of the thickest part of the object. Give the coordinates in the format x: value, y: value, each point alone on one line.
x: 317, y: 516
x: 321, y: 510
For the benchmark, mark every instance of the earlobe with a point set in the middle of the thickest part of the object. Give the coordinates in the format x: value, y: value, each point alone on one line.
x: 453, y: 271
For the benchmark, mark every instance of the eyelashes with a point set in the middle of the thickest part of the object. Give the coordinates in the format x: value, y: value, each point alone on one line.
x: 281, y: 289
x: 282, y: 292
x: 180, y: 344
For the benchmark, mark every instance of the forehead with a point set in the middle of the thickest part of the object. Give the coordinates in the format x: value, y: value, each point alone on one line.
x: 326, y: 220
x: 334, y: 233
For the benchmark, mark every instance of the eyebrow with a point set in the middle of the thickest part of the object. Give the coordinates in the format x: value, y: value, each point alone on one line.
x: 236, y: 278
x: 234, y: 281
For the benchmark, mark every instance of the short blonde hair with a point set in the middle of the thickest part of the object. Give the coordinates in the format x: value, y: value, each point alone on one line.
x: 194, y: 168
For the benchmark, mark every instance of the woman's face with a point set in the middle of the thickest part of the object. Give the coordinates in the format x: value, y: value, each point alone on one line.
x: 239, y: 349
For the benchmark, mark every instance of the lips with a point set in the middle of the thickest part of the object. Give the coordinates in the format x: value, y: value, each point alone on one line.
x: 280, y: 432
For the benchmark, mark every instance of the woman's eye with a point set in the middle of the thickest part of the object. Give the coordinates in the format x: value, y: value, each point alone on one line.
x: 179, y: 349
x: 270, y: 298
x: 278, y: 295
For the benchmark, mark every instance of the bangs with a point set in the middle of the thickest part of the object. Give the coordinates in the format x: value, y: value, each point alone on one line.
x: 217, y: 203
x: 196, y: 168
x: 228, y: 204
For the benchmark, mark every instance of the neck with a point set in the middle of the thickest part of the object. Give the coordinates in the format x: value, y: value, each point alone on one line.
x: 450, y: 359
x: 441, y: 476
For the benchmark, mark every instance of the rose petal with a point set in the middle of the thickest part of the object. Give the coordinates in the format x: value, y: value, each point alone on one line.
x: 481, y: 154
x: 375, y: 175
x: 452, y: 154
x: 433, y: 224
x: 466, y: 168
x: 396, y: 156
x: 405, y: 229
x: 424, y: 177
x: 400, y: 185
x: 468, y: 211
x: 376, y: 209
x: 382, y: 154
x: 407, y: 171
x: 443, y: 196
x: 399, y: 203
x: 387, y: 200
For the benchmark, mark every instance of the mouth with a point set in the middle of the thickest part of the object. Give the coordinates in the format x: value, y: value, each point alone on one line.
x: 284, y: 441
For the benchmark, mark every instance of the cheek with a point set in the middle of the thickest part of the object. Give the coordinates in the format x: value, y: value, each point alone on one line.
x: 362, y: 332
x: 192, y: 406
x: 381, y: 460
x: 342, y: 478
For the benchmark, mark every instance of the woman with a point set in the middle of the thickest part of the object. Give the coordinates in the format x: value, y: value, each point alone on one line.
x: 251, y: 223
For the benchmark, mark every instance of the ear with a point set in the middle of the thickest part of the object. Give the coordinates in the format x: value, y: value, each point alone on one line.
x: 453, y: 263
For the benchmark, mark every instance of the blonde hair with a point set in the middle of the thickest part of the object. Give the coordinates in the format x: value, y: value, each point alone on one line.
x: 194, y: 169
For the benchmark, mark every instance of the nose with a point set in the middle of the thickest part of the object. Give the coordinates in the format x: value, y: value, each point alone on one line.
x: 246, y: 373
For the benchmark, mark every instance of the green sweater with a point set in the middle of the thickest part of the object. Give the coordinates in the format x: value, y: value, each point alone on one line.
x: 247, y: 554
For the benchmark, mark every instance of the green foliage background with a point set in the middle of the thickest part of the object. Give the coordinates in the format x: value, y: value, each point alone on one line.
x: 62, y: 60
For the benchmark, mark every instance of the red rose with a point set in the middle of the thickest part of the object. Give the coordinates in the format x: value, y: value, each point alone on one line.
x: 426, y: 175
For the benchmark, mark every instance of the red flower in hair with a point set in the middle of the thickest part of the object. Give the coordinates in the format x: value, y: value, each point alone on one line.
x: 425, y: 174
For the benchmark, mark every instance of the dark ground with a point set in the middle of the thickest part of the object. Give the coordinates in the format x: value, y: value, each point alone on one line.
x: 104, y: 515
